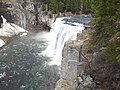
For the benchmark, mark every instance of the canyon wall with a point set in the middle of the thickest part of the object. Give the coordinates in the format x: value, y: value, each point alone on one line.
x: 86, y: 68
x: 25, y: 14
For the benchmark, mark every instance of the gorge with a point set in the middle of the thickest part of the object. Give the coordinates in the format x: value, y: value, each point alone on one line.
x: 73, y: 63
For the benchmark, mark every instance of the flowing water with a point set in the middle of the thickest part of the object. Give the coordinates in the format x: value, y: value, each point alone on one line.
x: 27, y: 47
x: 23, y: 55
x: 23, y: 68
x: 63, y: 29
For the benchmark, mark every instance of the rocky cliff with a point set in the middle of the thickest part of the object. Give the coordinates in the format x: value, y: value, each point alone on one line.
x: 86, y: 69
x: 22, y: 12
x: 8, y: 29
x: 26, y: 13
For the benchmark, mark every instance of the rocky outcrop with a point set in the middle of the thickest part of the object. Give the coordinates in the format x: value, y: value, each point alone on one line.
x: 27, y: 14
x: 4, y: 11
x: 69, y: 66
x: 22, y: 12
x: 8, y: 30
x: 86, y: 68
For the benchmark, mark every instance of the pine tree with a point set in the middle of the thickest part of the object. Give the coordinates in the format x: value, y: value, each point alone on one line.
x: 67, y: 5
x: 107, y: 16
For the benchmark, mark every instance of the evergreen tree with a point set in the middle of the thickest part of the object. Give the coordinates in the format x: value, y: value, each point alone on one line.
x: 107, y: 34
x: 68, y: 5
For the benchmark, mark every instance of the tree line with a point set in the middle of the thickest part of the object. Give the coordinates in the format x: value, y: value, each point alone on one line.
x: 107, y: 28
x: 106, y: 14
x: 73, y: 6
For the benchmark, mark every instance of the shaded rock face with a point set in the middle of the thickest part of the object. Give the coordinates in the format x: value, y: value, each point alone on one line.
x: 7, y: 29
x: 23, y: 12
x: 106, y: 74
x: 4, y: 11
x: 86, y: 69
x: 28, y: 15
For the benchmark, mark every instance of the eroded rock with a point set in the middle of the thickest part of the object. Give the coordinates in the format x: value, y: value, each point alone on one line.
x: 86, y: 69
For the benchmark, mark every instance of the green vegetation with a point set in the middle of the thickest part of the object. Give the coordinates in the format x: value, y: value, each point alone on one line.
x: 74, y: 6
x: 107, y: 30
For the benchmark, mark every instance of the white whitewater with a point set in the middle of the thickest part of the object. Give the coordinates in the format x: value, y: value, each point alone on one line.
x: 60, y: 33
x: 9, y: 30
x: 2, y: 43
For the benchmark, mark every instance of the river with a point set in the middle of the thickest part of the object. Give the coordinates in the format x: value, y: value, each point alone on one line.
x: 23, y: 67
x: 25, y: 48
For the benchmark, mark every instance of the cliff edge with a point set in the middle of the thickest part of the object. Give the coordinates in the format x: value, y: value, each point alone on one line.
x: 86, y: 68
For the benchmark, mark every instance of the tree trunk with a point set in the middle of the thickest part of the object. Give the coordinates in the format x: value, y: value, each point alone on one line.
x: 81, y: 7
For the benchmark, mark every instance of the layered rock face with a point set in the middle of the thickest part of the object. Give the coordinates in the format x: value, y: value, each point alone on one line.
x: 22, y: 12
x: 7, y: 29
x: 86, y: 69
x: 4, y: 11
x: 71, y: 66
x: 29, y: 15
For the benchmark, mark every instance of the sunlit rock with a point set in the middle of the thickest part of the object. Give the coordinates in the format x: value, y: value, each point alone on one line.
x: 2, y: 43
x: 10, y: 30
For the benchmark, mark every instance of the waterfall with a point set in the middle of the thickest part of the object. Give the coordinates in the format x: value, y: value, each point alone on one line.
x: 62, y: 30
